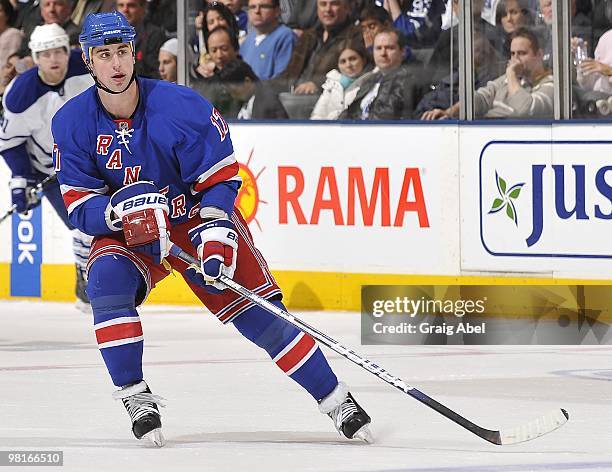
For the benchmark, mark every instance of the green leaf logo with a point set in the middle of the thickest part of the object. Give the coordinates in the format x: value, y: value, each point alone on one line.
x: 506, y: 198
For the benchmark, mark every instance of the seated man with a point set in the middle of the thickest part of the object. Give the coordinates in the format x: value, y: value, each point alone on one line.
x: 390, y: 92
x: 267, y: 49
x: 244, y: 87
x: 316, y: 51
x: 524, y: 91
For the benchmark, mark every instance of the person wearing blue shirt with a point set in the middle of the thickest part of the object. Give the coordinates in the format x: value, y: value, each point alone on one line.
x: 267, y: 49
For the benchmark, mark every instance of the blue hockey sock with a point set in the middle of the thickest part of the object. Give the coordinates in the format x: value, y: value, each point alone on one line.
x: 112, y: 287
x: 294, y: 351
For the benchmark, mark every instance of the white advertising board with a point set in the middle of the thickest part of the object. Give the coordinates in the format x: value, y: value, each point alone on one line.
x: 361, y: 199
x: 377, y: 199
x: 534, y: 199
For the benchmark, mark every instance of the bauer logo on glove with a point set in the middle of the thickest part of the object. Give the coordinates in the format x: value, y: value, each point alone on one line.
x: 144, y: 216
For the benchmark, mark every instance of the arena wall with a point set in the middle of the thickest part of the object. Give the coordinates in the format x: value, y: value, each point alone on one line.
x: 337, y: 206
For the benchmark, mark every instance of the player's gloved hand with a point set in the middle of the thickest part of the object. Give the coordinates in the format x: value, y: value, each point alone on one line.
x: 144, y: 217
x: 21, y: 195
x: 217, y: 244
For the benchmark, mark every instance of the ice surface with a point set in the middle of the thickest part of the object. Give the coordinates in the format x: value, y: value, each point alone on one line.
x: 230, y: 408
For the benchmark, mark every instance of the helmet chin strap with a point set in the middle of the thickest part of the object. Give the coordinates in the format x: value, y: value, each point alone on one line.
x: 101, y: 86
x: 106, y: 89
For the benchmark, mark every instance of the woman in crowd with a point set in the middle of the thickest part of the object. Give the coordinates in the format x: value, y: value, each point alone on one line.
x: 510, y: 16
x: 213, y: 15
x: 342, y: 84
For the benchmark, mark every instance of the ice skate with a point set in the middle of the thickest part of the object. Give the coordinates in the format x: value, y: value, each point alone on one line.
x: 82, y: 302
x: 350, y: 420
x: 141, y: 405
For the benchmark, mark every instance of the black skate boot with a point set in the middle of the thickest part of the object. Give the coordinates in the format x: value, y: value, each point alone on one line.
x: 82, y: 302
x: 141, y: 405
x: 349, y: 418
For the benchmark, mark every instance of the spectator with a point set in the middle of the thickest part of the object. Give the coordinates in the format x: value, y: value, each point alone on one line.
x: 420, y: 20
x: 389, y: 93
x: 302, y: 15
x: 82, y: 8
x: 213, y: 15
x: 596, y: 74
x: 510, y: 16
x: 485, y: 70
x: 49, y: 12
x: 440, y: 62
x: 222, y: 51
x: 9, y: 71
x: 524, y: 91
x: 167, y: 60
x: 163, y: 14
x: 149, y: 37
x: 267, y: 49
x: 316, y: 51
x: 342, y: 84
x: 10, y: 38
x: 235, y: 6
x: 243, y: 86
x: 372, y: 20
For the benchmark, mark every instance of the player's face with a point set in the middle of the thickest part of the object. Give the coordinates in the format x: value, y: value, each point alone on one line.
x: 350, y: 63
x: 113, y: 65
x: 262, y: 13
x: 387, y: 53
x: 214, y: 19
x: 220, y: 48
x: 167, y: 66
x: 53, y: 64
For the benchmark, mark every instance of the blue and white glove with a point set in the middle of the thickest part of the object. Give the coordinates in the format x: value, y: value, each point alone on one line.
x: 21, y: 195
x: 143, y: 212
x: 217, y: 244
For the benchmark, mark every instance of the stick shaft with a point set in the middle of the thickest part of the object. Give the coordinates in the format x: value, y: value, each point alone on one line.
x: 371, y: 367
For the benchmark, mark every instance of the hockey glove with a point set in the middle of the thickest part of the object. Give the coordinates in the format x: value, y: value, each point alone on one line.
x: 217, y: 244
x: 22, y: 196
x: 144, y: 217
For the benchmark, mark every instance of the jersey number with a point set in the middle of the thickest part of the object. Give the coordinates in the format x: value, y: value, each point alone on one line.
x: 217, y: 120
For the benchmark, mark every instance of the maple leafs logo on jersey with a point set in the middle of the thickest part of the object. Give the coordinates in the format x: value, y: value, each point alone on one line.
x: 124, y: 132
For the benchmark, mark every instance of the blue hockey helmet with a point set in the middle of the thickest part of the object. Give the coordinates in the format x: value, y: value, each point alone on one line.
x: 105, y: 28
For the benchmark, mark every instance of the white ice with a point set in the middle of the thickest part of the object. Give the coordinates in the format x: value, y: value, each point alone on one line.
x: 229, y: 408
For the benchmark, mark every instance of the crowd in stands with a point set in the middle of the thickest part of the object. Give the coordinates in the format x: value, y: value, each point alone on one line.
x: 347, y: 59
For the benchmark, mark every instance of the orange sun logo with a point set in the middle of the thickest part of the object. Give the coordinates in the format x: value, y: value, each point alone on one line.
x: 248, y: 199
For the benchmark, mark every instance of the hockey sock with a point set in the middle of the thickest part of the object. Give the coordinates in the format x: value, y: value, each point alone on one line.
x: 294, y: 351
x: 112, y: 286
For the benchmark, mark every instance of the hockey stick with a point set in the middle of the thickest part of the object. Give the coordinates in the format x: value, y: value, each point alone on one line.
x: 34, y: 190
x: 526, y: 432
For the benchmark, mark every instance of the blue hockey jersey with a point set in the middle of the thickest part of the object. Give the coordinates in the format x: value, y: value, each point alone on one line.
x: 175, y: 139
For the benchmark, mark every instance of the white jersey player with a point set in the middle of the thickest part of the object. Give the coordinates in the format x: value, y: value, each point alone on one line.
x: 30, y: 102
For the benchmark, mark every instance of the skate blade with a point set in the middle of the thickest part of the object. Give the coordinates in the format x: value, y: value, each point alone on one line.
x: 364, y: 434
x: 155, y: 438
x: 83, y: 307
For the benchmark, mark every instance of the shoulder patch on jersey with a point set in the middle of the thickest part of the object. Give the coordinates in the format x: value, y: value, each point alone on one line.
x: 24, y: 91
x: 27, y: 88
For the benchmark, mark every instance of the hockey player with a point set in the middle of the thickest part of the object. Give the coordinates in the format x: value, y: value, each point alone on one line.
x: 141, y: 161
x: 30, y: 101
